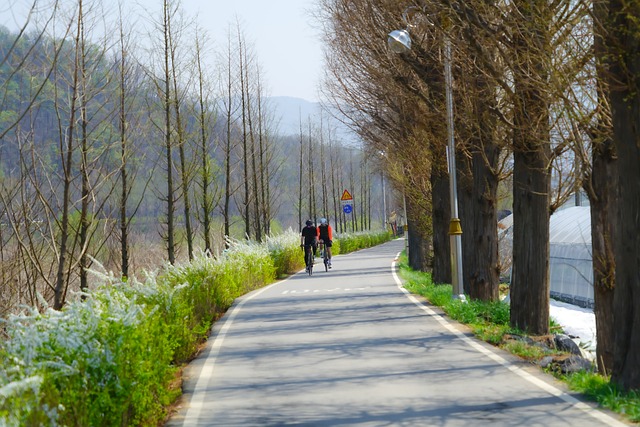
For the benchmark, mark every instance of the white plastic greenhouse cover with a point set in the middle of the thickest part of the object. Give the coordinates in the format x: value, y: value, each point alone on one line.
x: 570, y: 265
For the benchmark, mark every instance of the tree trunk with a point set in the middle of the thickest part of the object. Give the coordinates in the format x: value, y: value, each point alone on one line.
x: 122, y: 124
x: 530, y: 277
x: 441, y: 272
x: 264, y: 161
x: 185, y: 175
x: 312, y: 178
x: 300, y: 177
x: 167, y: 138
x: 206, y: 174
x: 468, y: 212
x: 257, y: 219
x: 602, y: 229
x: 484, y: 278
x: 226, y: 207
x: 66, y: 160
x: 479, y: 189
x: 418, y: 248
x: 84, y: 162
x: 625, y: 104
x: 334, y: 189
x: 245, y: 150
x: 323, y: 175
x: 531, y: 175
x: 602, y: 187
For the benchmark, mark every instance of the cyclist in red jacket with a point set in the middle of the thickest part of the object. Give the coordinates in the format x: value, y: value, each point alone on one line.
x: 325, y: 235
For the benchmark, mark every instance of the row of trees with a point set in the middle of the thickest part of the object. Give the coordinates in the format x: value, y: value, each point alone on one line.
x: 546, y: 102
x: 323, y: 174
x: 111, y: 138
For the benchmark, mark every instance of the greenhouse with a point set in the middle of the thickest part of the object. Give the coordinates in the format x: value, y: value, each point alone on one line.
x: 570, y: 266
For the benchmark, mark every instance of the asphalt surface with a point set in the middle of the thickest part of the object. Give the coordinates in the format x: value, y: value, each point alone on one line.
x: 350, y: 347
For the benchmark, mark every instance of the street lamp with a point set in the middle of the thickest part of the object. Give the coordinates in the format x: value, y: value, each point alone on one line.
x: 399, y: 41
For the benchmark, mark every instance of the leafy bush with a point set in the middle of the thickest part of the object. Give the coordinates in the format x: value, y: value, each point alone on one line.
x: 102, y: 361
x: 285, y: 252
x: 108, y: 358
x: 349, y: 242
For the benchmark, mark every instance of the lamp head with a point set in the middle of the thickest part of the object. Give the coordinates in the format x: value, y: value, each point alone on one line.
x: 399, y: 41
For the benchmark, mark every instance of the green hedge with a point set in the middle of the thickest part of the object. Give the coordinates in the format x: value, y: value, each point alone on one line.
x: 349, y: 242
x: 109, y: 358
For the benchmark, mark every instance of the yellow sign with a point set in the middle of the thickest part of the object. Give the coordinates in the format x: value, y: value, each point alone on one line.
x: 346, y: 195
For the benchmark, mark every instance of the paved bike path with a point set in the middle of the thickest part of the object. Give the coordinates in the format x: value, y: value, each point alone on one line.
x: 350, y: 347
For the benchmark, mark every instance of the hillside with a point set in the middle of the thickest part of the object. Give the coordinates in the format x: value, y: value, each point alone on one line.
x: 292, y: 110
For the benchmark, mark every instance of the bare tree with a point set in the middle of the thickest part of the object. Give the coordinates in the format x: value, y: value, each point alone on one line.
x: 163, y: 85
x: 129, y: 77
x: 180, y: 88
x: 269, y: 162
x: 246, y: 197
x: 300, y: 175
x: 334, y: 188
x: 66, y: 150
x: 310, y: 173
x: 26, y: 267
x: 206, y: 118
x: 251, y: 95
x: 323, y: 173
x: 230, y: 107
x: 123, y: 71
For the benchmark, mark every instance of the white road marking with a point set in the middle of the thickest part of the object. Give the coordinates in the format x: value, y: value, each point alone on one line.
x: 601, y: 416
x: 315, y: 291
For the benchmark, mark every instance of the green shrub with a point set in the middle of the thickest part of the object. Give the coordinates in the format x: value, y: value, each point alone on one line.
x: 108, y: 359
x: 350, y: 242
x: 286, y: 253
x: 335, y: 247
x: 109, y: 353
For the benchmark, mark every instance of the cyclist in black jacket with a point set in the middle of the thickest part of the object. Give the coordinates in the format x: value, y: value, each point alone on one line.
x: 309, y: 239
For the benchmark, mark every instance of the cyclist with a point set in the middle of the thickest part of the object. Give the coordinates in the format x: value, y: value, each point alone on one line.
x: 309, y: 240
x: 325, y: 235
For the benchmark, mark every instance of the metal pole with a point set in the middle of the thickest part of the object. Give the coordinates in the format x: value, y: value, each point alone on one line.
x: 405, y: 226
x: 455, y: 230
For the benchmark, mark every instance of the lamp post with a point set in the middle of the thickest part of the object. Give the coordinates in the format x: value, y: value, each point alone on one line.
x: 399, y: 41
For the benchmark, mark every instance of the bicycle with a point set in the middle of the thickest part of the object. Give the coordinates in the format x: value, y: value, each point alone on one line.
x: 325, y: 256
x: 308, y: 249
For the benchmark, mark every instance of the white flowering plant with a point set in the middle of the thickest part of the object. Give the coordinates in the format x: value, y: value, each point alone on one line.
x: 109, y: 356
x: 286, y: 253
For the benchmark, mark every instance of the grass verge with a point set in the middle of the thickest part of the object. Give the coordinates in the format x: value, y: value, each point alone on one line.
x: 489, y: 321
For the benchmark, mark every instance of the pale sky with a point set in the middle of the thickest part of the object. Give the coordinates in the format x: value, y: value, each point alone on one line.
x: 286, y: 42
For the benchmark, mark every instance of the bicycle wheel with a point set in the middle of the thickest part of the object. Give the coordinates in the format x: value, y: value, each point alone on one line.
x: 310, y: 260
x: 326, y: 261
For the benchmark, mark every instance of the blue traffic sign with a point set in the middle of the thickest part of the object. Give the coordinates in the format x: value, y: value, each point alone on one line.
x: 347, y: 209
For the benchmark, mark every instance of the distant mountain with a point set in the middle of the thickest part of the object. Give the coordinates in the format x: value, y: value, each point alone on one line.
x: 292, y: 110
